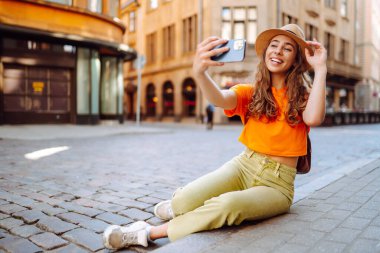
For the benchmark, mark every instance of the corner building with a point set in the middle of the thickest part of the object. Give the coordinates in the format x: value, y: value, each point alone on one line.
x: 166, y: 33
x: 61, y: 61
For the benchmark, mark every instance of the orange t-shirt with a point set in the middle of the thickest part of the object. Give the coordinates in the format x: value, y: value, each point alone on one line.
x: 276, y: 138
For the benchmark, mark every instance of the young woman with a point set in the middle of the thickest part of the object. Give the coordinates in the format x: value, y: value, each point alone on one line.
x: 277, y: 111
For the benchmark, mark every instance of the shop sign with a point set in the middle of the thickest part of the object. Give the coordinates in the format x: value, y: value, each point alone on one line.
x: 38, y: 87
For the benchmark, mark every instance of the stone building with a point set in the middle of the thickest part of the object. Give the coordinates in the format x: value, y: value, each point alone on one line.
x: 61, y: 61
x: 368, y: 55
x: 166, y: 33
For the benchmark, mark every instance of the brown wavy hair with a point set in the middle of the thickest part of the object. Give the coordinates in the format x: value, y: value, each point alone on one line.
x: 298, y: 83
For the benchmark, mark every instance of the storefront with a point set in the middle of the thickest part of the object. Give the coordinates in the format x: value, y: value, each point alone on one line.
x: 60, y: 77
x: 48, y: 82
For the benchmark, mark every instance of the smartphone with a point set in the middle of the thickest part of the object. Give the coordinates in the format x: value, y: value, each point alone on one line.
x: 235, y: 54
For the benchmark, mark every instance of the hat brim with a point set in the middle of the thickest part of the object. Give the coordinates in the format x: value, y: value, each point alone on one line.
x: 263, y: 39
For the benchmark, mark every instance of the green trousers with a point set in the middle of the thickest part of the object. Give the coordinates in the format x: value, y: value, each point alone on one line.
x: 249, y: 187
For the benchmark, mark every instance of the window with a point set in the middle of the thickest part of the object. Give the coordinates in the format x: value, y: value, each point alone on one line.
x: 109, y: 91
x: 343, y: 53
x: 189, y: 32
x: 329, y: 45
x: 31, y: 45
x: 252, y: 25
x: 83, y: 81
x: 65, y: 2
x: 343, y: 8
x: 113, y: 8
x: 226, y: 23
x: 288, y: 19
x: 168, y: 42
x: 151, y: 48
x: 94, y: 6
x: 239, y: 16
x: 330, y: 4
x: 239, y: 23
x: 311, y: 32
x: 153, y: 4
x: 132, y: 21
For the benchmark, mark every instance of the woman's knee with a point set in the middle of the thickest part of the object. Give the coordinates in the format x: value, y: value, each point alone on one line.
x: 225, y: 209
x: 181, y: 202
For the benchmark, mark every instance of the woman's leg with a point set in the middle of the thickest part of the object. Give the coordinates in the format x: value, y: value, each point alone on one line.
x: 230, y: 209
x: 160, y: 231
x: 225, y: 179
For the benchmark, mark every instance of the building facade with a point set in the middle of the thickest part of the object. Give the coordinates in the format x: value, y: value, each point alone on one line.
x: 166, y: 33
x: 368, y: 55
x: 61, y: 61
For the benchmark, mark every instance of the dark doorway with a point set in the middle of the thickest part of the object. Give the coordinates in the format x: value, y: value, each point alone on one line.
x: 151, y: 100
x: 189, y: 97
x: 168, y: 99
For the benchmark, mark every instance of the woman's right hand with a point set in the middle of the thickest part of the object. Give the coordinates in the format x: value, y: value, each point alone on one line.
x: 205, y: 50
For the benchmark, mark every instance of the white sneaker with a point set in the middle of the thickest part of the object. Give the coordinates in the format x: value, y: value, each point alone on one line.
x: 163, y: 210
x: 117, y: 237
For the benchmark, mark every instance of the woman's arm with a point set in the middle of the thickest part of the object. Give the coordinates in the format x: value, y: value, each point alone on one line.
x: 314, y: 113
x: 225, y: 99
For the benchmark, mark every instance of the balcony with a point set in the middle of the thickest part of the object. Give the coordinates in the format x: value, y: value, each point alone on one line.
x: 61, y: 20
x: 336, y: 67
x: 313, y: 8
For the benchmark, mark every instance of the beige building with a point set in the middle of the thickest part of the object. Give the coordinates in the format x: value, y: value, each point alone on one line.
x: 368, y: 55
x: 166, y: 32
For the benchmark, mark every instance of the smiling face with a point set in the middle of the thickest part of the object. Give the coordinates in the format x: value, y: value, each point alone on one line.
x: 280, y: 54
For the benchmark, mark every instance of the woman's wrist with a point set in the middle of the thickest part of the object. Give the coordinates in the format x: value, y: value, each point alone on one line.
x: 320, y: 69
x: 199, y: 73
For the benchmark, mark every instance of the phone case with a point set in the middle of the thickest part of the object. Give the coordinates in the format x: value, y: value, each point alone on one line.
x: 235, y: 54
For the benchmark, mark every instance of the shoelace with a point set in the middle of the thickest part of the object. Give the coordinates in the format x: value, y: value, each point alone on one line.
x: 129, y: 238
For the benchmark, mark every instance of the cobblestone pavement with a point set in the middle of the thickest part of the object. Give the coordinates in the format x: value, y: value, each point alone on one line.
x: 63, y: 202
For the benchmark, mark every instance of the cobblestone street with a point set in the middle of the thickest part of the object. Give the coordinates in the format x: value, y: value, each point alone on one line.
x: 63, y: 202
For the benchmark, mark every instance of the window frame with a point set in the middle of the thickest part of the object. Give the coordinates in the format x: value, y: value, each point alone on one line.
x: 189, y: 34
x: 330, y: 4
x: 288, y: 19
x: 151, y: 52
x: 343, y: 8
x: 311, y: 32
x: 344, y: 50
x: 231, y: 23
x: 150, y: 7
x: 168, y: 34
x: 329, y: 43
x: 132, y: 20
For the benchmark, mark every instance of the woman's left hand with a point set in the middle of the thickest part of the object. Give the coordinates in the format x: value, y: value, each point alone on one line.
x: 319, y: 58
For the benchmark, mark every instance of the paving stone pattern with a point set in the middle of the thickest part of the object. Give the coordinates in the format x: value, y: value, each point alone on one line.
x: 62, y: 203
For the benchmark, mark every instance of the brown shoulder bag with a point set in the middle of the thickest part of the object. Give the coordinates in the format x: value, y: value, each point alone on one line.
x: 304, y: 162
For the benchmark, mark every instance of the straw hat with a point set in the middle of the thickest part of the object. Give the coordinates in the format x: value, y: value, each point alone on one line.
x: 291, y: 30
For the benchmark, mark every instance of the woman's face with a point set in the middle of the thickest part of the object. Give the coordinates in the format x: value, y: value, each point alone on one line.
x: 280, y: 54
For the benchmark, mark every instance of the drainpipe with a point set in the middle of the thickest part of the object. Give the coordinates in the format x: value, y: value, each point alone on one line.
x: 200, y: 38
x: 355, y: 30
x: 278, y: 14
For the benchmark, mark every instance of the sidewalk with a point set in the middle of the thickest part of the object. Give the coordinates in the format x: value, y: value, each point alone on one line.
x: 46, y: 132
x: 342, y: 217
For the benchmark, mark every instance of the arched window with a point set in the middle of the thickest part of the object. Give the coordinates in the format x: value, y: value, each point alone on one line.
x: 151, y: 100
x: 168, y: 99
x: 189, y: 97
